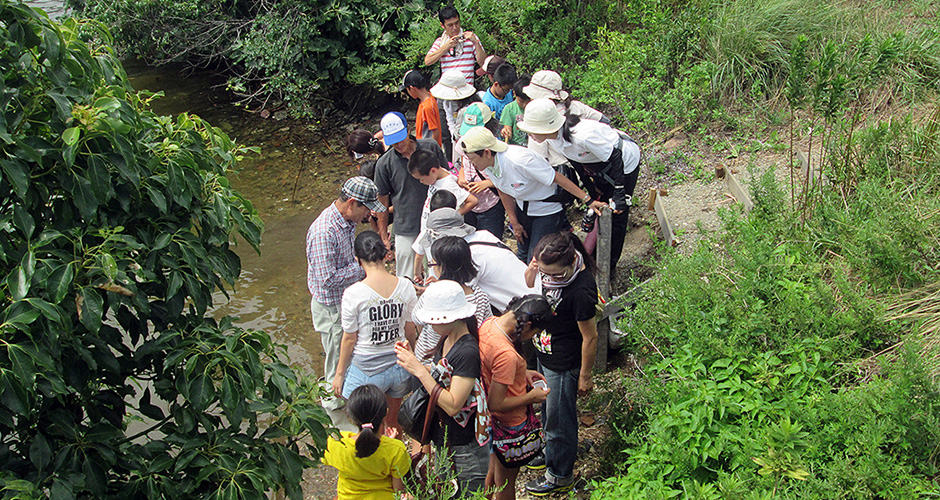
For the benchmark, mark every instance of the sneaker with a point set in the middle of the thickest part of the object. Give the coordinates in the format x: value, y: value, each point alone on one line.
x: 537, y: 462
x: 545, y: 486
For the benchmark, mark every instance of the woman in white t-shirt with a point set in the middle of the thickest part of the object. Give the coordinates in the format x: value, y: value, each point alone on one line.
x: 376, y: 313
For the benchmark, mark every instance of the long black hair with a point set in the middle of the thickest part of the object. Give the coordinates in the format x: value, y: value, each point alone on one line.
x: 453, y: 254
x: 533, y: 309
x: 363, y: 142
x: 559, y: 248
x: 368, y: 247
x: 367, y: 408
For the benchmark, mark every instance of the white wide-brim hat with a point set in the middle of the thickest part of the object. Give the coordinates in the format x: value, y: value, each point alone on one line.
x: 545, y: 84
x: 541, y: 117
x: 443, y: 302
x: 452, y: 86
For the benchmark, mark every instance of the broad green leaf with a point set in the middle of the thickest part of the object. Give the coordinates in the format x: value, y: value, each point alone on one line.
x: 201, y: 392
x: 92, y: 309
x: 57, y: 286
x: 70, y: 136
x: 39, y: 451
x: 13, y: 396
x: 108, y: 266
x: 23, y: 366
x: 18, y: 283
x: 23, y: 221
x: 18, y: 175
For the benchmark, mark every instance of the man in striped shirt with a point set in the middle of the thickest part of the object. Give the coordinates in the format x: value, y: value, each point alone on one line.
x: 455, y: 49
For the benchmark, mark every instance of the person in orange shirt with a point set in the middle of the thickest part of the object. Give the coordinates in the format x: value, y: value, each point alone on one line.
x: 512, y: 389
x: 428, y: 120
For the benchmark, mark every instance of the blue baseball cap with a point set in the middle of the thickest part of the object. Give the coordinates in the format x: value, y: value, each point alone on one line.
x: 394, y: 128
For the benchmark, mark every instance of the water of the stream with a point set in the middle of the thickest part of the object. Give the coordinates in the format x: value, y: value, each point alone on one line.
x: 298, y: 172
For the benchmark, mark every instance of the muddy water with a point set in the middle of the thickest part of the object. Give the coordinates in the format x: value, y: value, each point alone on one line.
x: 297, y: 174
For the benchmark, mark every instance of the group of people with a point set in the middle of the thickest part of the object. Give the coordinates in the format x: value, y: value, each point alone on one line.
x: 462, y: 306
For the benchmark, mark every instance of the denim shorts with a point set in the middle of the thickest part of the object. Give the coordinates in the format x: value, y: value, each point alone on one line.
x: 395, y: 382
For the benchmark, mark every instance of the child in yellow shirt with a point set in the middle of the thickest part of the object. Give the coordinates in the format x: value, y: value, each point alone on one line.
x: 371, y: 465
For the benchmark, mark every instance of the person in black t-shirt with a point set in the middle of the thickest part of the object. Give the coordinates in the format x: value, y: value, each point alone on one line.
x: 465, y: 421
x: 565, y: 350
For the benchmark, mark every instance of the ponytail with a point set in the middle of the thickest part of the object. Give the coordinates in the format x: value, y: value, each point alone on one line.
x: 367, y: 408
x: 533, y: 309
x: 570, y: 121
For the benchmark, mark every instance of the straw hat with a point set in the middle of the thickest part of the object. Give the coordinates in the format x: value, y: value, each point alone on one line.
x: 452, y: 86
x: 541, y: 117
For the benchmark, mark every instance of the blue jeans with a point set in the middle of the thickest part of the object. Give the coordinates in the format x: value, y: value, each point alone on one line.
x: 536, y: 227
x: 560, y: 422
x: 493, y: 220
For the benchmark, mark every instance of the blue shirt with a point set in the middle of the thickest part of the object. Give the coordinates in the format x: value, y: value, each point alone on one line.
x: 497, y: 105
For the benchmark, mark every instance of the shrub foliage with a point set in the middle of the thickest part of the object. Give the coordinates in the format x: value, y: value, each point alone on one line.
x: 115, y: 229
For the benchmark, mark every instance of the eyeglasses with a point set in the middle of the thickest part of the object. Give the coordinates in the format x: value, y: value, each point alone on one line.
x: 562, y: 275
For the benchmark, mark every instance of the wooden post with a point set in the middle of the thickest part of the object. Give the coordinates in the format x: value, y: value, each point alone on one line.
x: 603, y: 286
x: 652, y: 198
x: 738, y: 192
x: 664, y: 225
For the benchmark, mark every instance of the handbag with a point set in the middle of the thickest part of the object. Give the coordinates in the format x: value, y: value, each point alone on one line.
x: 415, y: 413
x: 421, y: 464
x: 515, y: 448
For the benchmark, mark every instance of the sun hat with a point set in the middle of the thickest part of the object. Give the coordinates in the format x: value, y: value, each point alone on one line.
x: 545, y: 84
x: 394, y: 128
x: 476, y: 115
x: 413, y: 78
x: 541, y: 117
x: 480, y: 138
x: 452, y: 86
x: 443, y: 222
x: 489, y: 65
x: 363, y: 190
x: 443, y: 302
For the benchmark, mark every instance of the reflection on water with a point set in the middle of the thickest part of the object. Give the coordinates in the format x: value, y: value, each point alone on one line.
x: 54, y: 8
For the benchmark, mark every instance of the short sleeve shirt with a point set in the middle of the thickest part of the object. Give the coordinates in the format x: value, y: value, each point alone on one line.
x: 367, y: 478
x: 427, y: 119
x: 512, y: 115
x: 379, y: 321
x: 499, y: 362
x: 525, y: 176
x: 558, y: 347
x: 464, y: 358
x: 591, y: 142
x: 497, y: 105
x: 463, y: 58
x: 407, y: 193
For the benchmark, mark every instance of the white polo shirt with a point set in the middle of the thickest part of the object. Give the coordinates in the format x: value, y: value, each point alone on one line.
x: 525, y: 176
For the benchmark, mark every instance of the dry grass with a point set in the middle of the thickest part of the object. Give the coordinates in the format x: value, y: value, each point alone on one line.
x: 920, y: 307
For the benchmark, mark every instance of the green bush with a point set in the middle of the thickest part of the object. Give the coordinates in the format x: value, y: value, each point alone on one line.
x: 116, y: 227
x: 289, y: 51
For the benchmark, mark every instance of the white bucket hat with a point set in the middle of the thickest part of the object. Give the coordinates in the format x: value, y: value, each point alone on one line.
x: 452, y: 86
x: 443, y: 302
x: 545, y: 84
x: 541, y: 117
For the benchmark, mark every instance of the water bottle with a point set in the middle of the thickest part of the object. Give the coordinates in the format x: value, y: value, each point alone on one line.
x: 587, y: 223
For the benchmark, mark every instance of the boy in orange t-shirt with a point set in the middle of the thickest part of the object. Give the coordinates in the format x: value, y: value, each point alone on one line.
x: 428, y: 120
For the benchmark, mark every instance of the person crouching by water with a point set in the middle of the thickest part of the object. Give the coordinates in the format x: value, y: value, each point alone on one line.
x: 465, y: 421
x: 516, y: 436
x: 376, y: 313
x: 565, y: 350
x: 371, y: 462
